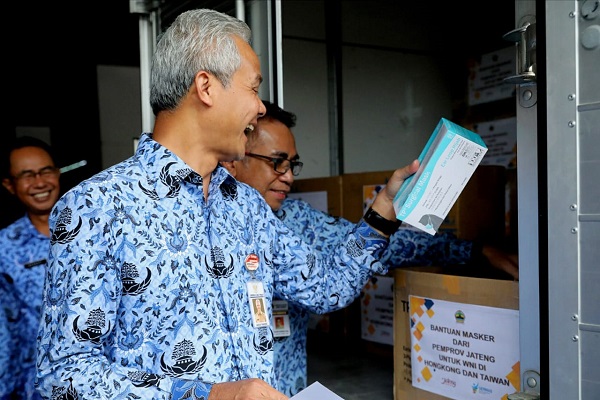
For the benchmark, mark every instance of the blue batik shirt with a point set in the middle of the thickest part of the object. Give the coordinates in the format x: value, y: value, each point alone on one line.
x: 9, y: 313
x: 147, y: 292
x: 23, y: 259
x: 5, y: 348
x: 323, y: 232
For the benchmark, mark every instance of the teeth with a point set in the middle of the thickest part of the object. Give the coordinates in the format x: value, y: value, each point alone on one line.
x: 249, y: 128
x: 40, y: 195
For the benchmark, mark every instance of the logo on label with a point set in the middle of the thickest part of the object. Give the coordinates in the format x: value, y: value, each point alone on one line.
x: 252, y: 262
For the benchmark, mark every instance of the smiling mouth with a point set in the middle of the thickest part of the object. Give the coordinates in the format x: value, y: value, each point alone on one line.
x: 41, y: 195
x: 249, y: 128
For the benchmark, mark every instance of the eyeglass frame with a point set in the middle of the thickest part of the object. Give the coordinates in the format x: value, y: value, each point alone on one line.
x: 277, y: 161
x: 30, y: 176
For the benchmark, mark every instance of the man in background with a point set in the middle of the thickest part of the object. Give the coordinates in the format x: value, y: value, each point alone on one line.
x: 30, y: 174
x: 9, y: 312
x: 270, y: 166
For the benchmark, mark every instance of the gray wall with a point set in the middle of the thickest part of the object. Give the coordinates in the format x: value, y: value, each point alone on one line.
x: 401, y: 65
x: 120, y: 111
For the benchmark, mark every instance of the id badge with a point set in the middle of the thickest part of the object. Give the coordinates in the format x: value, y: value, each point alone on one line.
x: 281, y: 319
x: 256, y: 299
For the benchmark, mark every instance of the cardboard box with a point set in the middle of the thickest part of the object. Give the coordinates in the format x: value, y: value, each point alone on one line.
x: 479, y: 213
x: 447, y: 162
x: 334, y: 323
x: 377, y: 310
x: 353, y: 195
x: 332, y: 185
x: 354, y: 201
x: 431, y: 283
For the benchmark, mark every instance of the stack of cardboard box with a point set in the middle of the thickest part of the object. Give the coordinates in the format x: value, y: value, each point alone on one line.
x: 434, y: 283
x: 478, y: 214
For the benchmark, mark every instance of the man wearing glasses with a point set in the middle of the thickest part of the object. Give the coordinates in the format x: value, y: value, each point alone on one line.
x: 29, y: 174
x: 270, y: 165
x: 271, y: 160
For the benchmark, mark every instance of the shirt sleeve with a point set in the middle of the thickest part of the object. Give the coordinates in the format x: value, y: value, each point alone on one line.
x: 345, y: 255
x: 409, y: 247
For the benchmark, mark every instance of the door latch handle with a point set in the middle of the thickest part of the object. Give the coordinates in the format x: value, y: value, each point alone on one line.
x: 525, y: 39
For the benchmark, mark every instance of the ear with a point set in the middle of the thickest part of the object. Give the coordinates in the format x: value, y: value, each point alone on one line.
x: 8, y: 185
x: 204, y: 82
x: 230, y: 165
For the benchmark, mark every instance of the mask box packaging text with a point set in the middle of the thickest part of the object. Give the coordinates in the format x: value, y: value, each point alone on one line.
x: 447, y: 162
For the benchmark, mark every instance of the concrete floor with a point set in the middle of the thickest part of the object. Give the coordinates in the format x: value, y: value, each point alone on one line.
x: 354, y: 370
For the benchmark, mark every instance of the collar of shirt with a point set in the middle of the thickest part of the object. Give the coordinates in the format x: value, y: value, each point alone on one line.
x: 165, y: 171
x: 22, y: 230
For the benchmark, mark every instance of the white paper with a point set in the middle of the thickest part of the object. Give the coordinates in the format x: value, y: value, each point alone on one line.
x: 464, y: 351
x: 377, y: 309
x: 486, y: 78
x: 316, y: 391
x: 500, y: 136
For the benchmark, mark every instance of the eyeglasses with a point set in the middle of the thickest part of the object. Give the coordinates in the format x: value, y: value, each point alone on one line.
x: 31, y: 176
x: 281, y: 165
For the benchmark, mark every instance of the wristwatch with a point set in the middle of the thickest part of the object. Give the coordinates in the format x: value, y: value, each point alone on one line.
x: 383, y: 225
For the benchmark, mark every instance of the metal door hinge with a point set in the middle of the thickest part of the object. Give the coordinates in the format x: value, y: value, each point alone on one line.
x: 524, y: 396
x: 531, y: 384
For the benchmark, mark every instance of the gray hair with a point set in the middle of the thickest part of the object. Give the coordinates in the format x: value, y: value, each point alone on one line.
x: 198, y: 40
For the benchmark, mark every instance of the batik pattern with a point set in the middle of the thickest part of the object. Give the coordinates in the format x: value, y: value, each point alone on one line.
x: 323, y: 232
x: 8, y: 314
x: 146, y: 290
x: 23, y: 259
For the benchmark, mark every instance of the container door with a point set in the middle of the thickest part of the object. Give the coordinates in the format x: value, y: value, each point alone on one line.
x: 558, y: 139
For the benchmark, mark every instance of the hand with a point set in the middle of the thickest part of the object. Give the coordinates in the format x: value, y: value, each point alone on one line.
x: 246, y: 389
x: 383, y: 203
x: 501, y: 260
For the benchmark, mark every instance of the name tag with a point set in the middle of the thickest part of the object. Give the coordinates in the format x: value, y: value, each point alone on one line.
x: 256, y: 299
x: 281, y: 319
